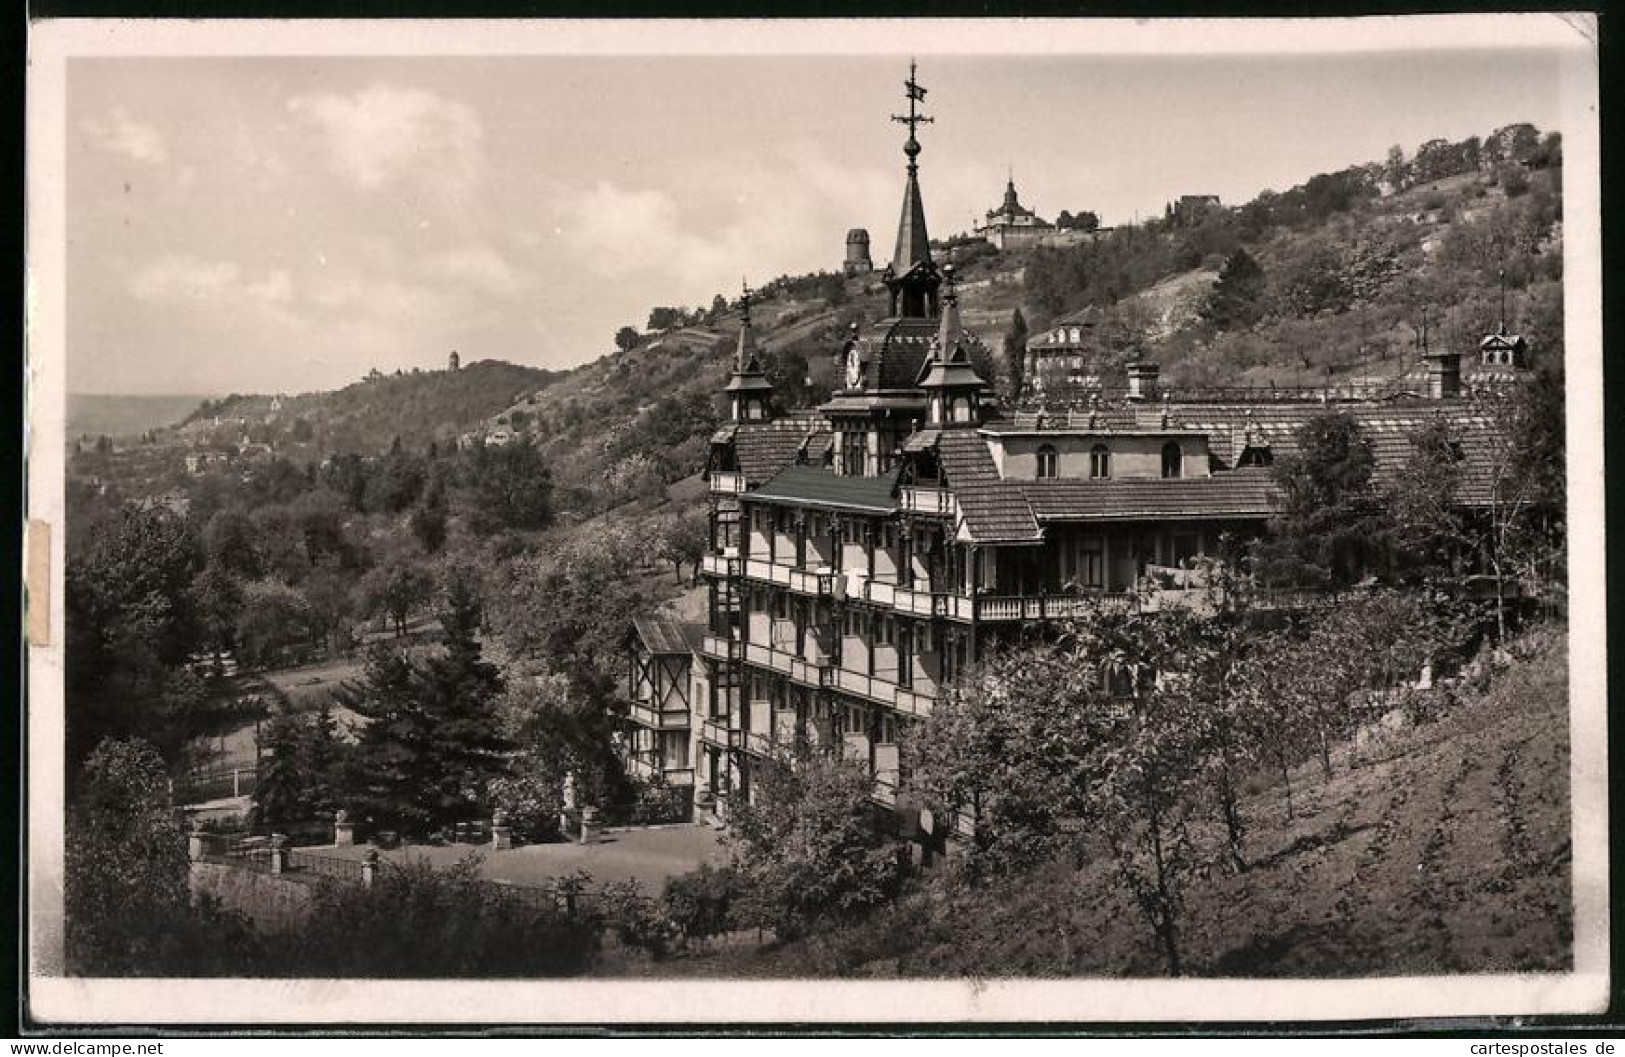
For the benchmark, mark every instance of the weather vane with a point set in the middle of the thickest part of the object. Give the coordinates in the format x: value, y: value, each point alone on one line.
x: 916, y: 94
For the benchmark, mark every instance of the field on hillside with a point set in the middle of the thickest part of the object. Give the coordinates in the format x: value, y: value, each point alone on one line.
x: 1441, y: 848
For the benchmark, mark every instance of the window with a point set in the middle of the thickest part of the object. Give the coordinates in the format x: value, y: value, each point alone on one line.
x: 1173, y: 460
x: 1047, y: 461
x: 1100, y: 462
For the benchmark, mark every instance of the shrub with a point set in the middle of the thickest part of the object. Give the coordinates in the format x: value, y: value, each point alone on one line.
x: 635, y: 918
x: 699, y: 904
x: 419, y: 922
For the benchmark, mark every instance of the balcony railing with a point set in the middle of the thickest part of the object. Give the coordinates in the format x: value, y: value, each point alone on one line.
x: 720, y: 648
x: 927, y: 501
x: 715, y: 730
x: 819, y: 583
x: 728, y: 482
x: 723, y: 565
x: 1044, y: 607
x: 644, y: 714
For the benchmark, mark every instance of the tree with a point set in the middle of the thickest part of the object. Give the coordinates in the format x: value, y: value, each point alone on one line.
x: 812, y: 846
x: 130, y: 621
x: 429, y: 519
x: 510, y: 487
x: 128, y: 910
x: 1015, y: 355
x: 396, y: 587
x: 229, y: 543
x: 430, y: 745
x: 572, y: 608
x: 1001, y: 752
x: 274, y: 617
x: 1330, y: 523
x: 217, y: 599
x: 685, y: 538
x: 1424, y: 507
x: 627, y: 338
x: 1236, y: 300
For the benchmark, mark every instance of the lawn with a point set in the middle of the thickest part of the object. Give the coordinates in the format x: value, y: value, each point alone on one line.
x: 648, y: 855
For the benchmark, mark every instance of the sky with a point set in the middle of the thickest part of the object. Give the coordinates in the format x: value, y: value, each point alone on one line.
x: 283, y: 224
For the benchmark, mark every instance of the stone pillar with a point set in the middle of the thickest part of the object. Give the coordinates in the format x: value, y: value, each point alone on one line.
x: 279, y: 853
x: 589, y: 819
x: 501, y: 832
x: 194, y: 842
x: 369, y: 868
x: 343, y: 830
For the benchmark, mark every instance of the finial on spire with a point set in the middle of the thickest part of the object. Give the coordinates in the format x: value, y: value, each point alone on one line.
x: 915, y: 94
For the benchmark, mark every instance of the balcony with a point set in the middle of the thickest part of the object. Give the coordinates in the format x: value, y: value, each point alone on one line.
x: 727, y: 482
x: 819, y: 584
x: 720, y: 648
x: 996, y: 608
x: 927, y: 501
x: 715, y: 731
x: 644, y: 714
x: 720, y: 565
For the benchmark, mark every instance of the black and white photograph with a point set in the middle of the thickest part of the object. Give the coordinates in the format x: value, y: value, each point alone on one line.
x: 736, y: 522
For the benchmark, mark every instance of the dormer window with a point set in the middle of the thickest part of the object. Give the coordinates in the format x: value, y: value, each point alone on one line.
x: 1100, y: 462
x: 1048, y: 462
x: 1173, y: 460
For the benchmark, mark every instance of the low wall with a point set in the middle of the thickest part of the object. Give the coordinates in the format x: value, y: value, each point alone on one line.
x: 273, y: 903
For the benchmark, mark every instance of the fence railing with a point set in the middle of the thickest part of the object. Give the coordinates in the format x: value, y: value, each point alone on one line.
x: 220, y: 784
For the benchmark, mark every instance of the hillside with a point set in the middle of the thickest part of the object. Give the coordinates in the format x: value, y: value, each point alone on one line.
x: 1350, y: 266
x: 366, y: 416
x: 1439, y: 848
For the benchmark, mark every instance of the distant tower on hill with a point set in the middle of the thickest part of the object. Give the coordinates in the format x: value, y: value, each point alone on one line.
x: 453, y: 361
x: 857, y: 253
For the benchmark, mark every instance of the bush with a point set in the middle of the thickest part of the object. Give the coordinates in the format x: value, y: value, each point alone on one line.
x: 635, y: 918
x: 418, y: 922
x: 699, y: 905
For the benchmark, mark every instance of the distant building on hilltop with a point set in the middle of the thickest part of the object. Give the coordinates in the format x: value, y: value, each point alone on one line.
x: 857, y: 260
x: 1013, y: 225
x: 1190, y: 209
x: 453, y: 361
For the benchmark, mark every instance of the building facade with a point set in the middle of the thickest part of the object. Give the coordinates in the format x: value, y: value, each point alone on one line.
x: 867, y: 552
x: 1013, y: 226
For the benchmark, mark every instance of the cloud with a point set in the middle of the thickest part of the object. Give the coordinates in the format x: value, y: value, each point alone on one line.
x: 383, y: 134
x: 479, y: 268
x: 120, y: 133
x: 178, y: 278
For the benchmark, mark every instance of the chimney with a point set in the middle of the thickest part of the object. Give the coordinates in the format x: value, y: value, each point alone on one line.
x: 1444, y: 375
x: 1142, y: 380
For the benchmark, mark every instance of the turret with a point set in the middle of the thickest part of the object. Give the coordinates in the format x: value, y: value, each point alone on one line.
x: 750, y: 394
x: 952, y: 387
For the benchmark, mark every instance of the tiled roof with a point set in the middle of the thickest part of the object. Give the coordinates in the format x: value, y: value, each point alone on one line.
x: 1249, y: 493
x: 896, y: 349
x: 660, y: 637
x: 763, y: 449
x: 822, y: 487
x: 964, y: 457
x: 1388, y: 426
x: 997, y: 512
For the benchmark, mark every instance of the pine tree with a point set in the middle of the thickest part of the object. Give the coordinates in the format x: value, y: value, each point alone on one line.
x: 1237, y: 294
x: 431, y: 742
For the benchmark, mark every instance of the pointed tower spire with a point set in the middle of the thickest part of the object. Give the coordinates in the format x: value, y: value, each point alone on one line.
x: 912, y: 279
x: 749, y: 392
x: 952, y: 386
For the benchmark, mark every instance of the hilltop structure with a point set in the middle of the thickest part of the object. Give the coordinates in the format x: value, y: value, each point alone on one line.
x: 857, y: 260
x: 868, y: 551
x: 1012, y: 225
